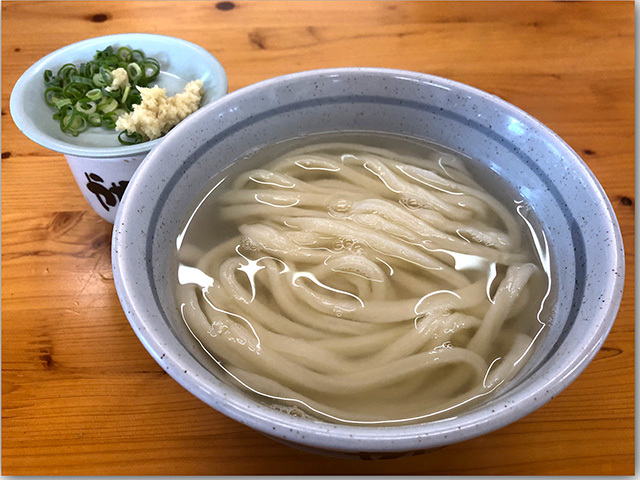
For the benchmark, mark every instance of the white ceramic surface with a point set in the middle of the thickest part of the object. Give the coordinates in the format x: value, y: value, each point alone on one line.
x: 180, y: 62
x: 586, y: 245
x: 102, y: 181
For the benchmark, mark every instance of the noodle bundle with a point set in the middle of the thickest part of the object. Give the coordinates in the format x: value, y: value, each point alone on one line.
x: 364, y: 286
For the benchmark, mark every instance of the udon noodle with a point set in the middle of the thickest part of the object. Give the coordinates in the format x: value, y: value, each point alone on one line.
x: 361, y: 285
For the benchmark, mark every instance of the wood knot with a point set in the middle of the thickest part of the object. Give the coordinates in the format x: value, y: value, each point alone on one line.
x: 626, y: 201
x: 313, y: 31
x: 46, y: 359
x: 225, y: 6
x: 62, y: 222
x: 99, y: 17
x: 257, y: 40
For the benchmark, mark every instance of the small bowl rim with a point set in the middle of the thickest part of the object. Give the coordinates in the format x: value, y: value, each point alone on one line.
x: 23, y: 123
x: 348, y: 438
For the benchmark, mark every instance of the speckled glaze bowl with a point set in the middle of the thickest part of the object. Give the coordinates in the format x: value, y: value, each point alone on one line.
x: 101, y: 165
x: 585, y: 240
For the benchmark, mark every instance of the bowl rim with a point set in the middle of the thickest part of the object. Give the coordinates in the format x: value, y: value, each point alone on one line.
x: 27, y: 127
x: 349, y: 438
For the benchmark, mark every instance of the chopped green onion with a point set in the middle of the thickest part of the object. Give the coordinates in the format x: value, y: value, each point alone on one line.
x: 110, y: 106
x: 60, y: 114
x: 48, y: 76
x: 151, y: 69
x: 82, y: 97
x: 134, y: 72
x: 67, y: 70
x: 79, y: 79
x: 127, y: 138
x: 94, y: 94
x: 98, y: 80
x: 61, y: 103
x: 110, y: 93
x: 94, y: 120
x: 109, y: 120
x: 124, y: 54
x: 49, y: 95
x: 125, y: 94
x: 74, y: 91
x: 84, y: 106
x: 74, y: 123
x: 139, y: 54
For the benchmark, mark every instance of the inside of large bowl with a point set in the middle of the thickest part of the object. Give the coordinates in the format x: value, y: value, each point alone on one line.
x: 530, y: 160
x: 179, y: 62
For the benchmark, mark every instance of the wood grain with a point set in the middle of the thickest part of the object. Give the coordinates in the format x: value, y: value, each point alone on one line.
x: 80, y: 395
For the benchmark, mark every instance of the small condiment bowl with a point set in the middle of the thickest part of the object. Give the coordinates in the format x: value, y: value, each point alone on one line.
x: 101, y: 165
x: 587, y: 267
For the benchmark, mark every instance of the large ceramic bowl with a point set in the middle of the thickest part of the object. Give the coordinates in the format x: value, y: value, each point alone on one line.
x: 586, y: 245
x: 101, y: 165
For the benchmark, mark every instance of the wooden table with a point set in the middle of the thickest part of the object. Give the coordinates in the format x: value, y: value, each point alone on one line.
x: 80, y: 395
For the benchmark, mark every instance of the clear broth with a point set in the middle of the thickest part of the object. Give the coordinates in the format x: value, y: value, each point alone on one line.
x: 346, y: 371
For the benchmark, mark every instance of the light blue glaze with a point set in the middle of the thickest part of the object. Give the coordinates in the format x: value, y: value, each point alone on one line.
x: 180, y: 61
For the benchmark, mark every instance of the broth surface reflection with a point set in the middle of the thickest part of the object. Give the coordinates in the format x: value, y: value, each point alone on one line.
x: 363, y: 278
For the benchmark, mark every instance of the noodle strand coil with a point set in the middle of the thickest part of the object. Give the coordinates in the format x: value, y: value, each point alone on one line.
x: 362, y: 287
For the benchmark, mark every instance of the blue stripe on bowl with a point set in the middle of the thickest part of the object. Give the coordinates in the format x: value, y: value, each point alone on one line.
x: 576, y: 234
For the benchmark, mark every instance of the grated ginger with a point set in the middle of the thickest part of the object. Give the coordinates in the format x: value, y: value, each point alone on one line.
x: 119, y: 79
x: 157, y: 114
